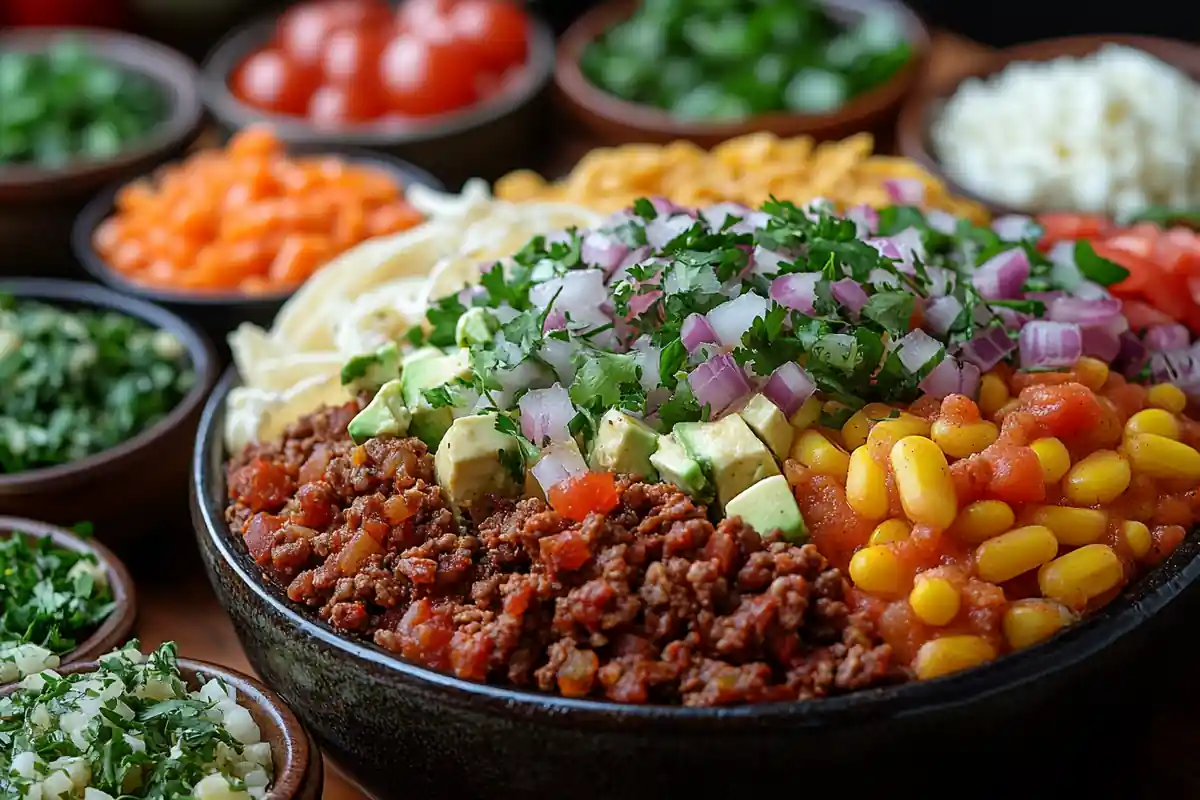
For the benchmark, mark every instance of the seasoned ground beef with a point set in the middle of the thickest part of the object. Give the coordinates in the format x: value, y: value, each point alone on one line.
x: 652, y: 603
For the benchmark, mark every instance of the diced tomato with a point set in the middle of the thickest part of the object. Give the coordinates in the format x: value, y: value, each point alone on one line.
x: 1064, y: 226
x: 260, y: 535
x: 578, y: 496
x: 1142, y: 315
x: 1064, y: 410
x: 1142, y: 271
x: 1016, y: 474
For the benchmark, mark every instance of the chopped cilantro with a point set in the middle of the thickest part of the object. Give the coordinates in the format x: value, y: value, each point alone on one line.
x: 644, y: 208
x: 767, y: 345
x: 681, y: 407
x: 443, y: 317
x: 1096, y: 268
x: 892, y: 310
x: 603, y: 379
x: 670, y: 361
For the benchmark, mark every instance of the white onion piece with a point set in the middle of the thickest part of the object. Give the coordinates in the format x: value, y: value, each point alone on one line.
x: 849, y: 293
x: 1163, y: 338
x: 662, y: 231
x: 1064, y: 272
x: 647, y: 359
x: 988, y: 348
x: 941, y: 313
x: 696, y: 331
x: 545, y: 414
x: 582, y: 293
x: 765, y: 262
x: 942, y: 221
x: 732, y: 319
x: 635, y: 256
x: 909, y: 245
x: 916, y: 348
x: 666, y: 207
x: 559, y: 461
x: 557, y: 355
x: 1002, y: 276
x: 1088, y: 290
x: 905, y: 191
x: 865, y: 219
x: 941, y: 281
x: 1083, y: 312
x: 1045, y: 343
x: 796, y: 290
x: 718, y: 383
x: 715, y: 215
x: 882, y: 279
x: 1014, y: 227
x: 602, y: 250
x: 788, y: 387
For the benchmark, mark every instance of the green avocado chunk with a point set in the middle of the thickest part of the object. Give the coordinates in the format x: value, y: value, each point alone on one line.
x: 623, y: 445
x: 675, y: 466
x: 474, y: 460
x: 429, y: 424
x: 729, y: 452
x: 769, y: 423
x: 369, y: 371
x: 385, y: 415
x: 770, y: 505
x: 476, y: 326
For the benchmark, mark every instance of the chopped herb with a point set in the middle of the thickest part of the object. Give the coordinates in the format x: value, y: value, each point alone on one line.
x: 603, y: 379
x: 644, y: 208
x: 443, y: 317
x: 1096, y: 268
x: 892, y: 310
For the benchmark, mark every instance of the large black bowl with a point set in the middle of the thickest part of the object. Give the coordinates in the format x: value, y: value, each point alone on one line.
x: 404, y: 731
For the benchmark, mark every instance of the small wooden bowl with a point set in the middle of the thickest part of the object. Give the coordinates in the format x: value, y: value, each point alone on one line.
x: 920, y: 110
x: 299, y: 772
x: 615, y: 121
x: 115, y: 629
x: 37, y: 206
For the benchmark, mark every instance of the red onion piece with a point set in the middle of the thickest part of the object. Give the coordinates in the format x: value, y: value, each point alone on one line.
x: 941, y: 281
x: 1011, y: 318
x: 1180, y: 367
x: 557, y: 354
x: 666, y: 207
x: 882, y: 279
x: 886, y: 247
x: 916, y: 348
x: 635, y: 256
x: 1083, y: 312
x: 545, y: 415
x: 648, y: 359
x: 911, y: 247
x: 988, y: 348
x: 865, y: 219
x: 1002, y: 276
x: 555, y: 321
x: 1087, y: 290
x: 1045, y: 343
x: 942, y: 221
x: 788, y: 387
x: 765, y: 262
x: 640, y: 302
x: 602, y: 250
x: 661, y: 231
x: 1162, y: 338
x: 905, y: 191
x: 849, y: 293
x: 969, y: 377
x: 468, y: 293
x: 943, y: 380
x: 580, y: 293
x: 732, y: 319
x: 1132, y: 356
x: 796, y: 290
x: 941, y: 312
x: 1014, y: 227
x: 696, y: 331
x: 716, y: 215
x: 558, y: 462
x: 1101, y: 341
x: 718, y: 383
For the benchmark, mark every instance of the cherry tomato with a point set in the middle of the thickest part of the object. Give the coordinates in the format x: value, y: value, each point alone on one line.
x: 351, y: 55
x: 304, y: 29
x: 334, y: 105
x: 421, y: 78
x: 498, y: 30
x: 270, y: 81
x: 414, y: 16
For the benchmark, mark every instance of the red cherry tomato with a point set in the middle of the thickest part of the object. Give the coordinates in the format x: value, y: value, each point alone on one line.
x: 497, y: 29
x: 421, y: 78
x: 304, y: 29
x: 270, y: 81
x: 351, y: 55
x: 333, y: 106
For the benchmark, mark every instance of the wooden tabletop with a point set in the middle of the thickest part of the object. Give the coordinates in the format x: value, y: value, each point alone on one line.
x: 184, y: 609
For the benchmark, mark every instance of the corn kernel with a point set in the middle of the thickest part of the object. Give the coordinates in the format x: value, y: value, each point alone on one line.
x: 948, y: 654
x: 876, y: 569
x: 960, y: 441
x: 866, y: 485
x: 1011, y: 554
x: 1167, y: 396
x: 1054, y: 458
x: 923, y: 482
x: 854, y: 432
x: 1137, y: 537
x: 1091, y: 372
x: 1153, y: 420
x: 993, y: 394
x: 1160, y: 457
x: 822, y: 456
x: 1078, y: 576
x: 886, y: 433
x: 807, y: 415
x: 935, y: 601
x: 1101, y: 477
x: 1027, y: 622
x: 890, y: 530
x: 1072, y: 526
x: 981, y: 520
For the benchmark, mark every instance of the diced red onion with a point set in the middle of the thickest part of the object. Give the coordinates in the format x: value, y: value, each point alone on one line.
x: 696, y: 331
x: 765, y: 262
x: 1180, y: 367
x: 941, y: 313
x: 1002, y: 276
x: 969, y: 378
x: 1083, y: 312
x: 881, y: 278
x: 905, y: 191
x: 1011, y: 318
x: 582, y: 293
x: 865, y: 219
x: 655, y: 399
x: 988, y: 347
x: 886, y: 247
x: 635, y: 256
x: 1045, y: 297
x: 648, y: 358
x: 545, y: 415
x: 942, y: 221
x: 941, y: 281
x: 555, y: 321
x: 849, y: 293
x: 1162, y: 338
x: 796, y: 290
x: 788, y: 387
x: 943, y: 380
x: 665, y: 207
x: 715, y: 215
x: 467, y: 294
x: 557, y: 354
x: 1014, y: 227
x: 911, y: 247
x: 1064, y: 271
x: 1087, y: 290
x: 639, y: 303
x: 603, y: 251
x: 1132, y: 356
x: 718, y: 382
x: 916, y: 348
x: 1045, y: 343
x: 661, y: 231
x: 732, y: 319
x: 558, y: 462
x: 1101, y: 341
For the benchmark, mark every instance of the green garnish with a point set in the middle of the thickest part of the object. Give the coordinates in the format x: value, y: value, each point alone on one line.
x: 1167, y: 217
x: 1096, y: 268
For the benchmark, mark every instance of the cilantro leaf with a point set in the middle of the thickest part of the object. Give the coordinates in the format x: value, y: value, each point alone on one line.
x: 766, y: 344
x: 438, y: 396
x: 891, y: 310
x: 1096, y: 268
x: 681, y: 407
x: 602, y: 378
x: 670, y: 361
x: 644, y: 208
x: 443, y: 317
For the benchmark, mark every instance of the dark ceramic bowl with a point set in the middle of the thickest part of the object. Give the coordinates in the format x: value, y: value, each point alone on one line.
x: 115, y: 629
x: 37, y: 206
x: 402, y: 730
x: 218, y: 313
x: 299, y: 772
x: 613, y: 121
x: 139, y: 486
x: 483, y: 141
x: 921, y: 109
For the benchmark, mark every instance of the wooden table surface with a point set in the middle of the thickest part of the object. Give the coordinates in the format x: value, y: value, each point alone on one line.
x: 185, y: 610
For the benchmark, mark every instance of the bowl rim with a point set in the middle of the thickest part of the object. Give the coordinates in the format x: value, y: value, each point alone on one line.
x: 117, y: 626
x: 1068, y: 649
x: 235, y: 46
x: 170, y: 71
x: 102, y: 205
x: 914, y: 123
x: 200, y: 351
x: 581, y: 92
x: 298, y: 749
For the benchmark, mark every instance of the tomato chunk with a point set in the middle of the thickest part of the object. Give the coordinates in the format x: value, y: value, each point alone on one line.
x: 1016, y: 474
x: 1063, y: 410
x: 580, y: 495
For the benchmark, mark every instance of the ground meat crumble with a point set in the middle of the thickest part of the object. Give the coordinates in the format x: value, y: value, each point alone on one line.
x: 652, y: 603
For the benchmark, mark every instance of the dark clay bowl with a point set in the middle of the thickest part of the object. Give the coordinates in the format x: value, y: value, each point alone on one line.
x: 139, y: 486
x: 218, y: 313
x: 614, y: 121
x: 922, y: 107
x: 401, y: 730
x: 299, y: 772
x: 483, y: 141
x: 115, y: 629
x: 37, y: 206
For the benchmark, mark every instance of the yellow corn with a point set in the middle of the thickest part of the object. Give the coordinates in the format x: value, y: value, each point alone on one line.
x: 890, y: 530
x: 1137, y: 536
x: 1078, y: 576
x: 1091, y: 372
x: 1027, y: 622
x: 820, y: 455
x: 982, y: 520
x: 876, y: 569
x: 935, y: 601
x: 1160, y: 457
x: 1153, y: 420
x: 886, y: 433
x: 923, y: 482
x: 948, y: 654
x: 1054, y: 458
x: 1167, y: 396
x: 960, y: 441
x: 993, y: 394
x: 807, y: 415
x: 1101, y: 477
x: 1018, y: 551
x: 854, y: 432
x: 866, y: 485
x: 1072, y: 526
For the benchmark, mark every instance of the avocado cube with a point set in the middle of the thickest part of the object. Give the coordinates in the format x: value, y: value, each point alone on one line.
x: 369, y: 371
x: 476, y: 326
x: 429, y: 424
x: 769, y: 424
x: 770, y: 505
x: 675, y: 466
x: 729, y: 452
x: 475, y: 459
x: 385, y: 415
x: 623, y: 445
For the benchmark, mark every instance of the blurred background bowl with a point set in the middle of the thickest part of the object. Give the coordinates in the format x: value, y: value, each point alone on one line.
x: 37, y: 205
